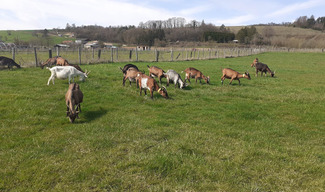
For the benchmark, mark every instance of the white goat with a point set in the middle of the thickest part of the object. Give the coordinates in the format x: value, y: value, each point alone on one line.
x: 64, y: 72
x: 172, y: 75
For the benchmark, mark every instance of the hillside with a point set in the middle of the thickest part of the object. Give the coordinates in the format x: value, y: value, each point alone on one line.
x: 282, y: 36
x: 27, y: 37
x: 279, y: 36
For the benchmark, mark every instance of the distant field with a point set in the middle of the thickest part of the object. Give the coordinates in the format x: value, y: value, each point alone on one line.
x: 9, y: 36
x: 266, y: 135
x: 283, y: 36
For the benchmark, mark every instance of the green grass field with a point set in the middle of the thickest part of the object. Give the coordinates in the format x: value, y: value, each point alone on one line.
x: 265, y: 135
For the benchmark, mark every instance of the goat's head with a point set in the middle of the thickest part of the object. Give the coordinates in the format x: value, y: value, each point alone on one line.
x: 73, y: 116
x: 207, y: 79
x: 247, y: 75
x: 272, y: 73
x: 163, y: 92
x: 85, y: 75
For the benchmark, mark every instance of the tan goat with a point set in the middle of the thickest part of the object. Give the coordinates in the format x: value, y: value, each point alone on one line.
x: 233, y: 75
x: 145, y: 82
x: 156, y: 72
x: 194, y: 73
x: 73, y: 98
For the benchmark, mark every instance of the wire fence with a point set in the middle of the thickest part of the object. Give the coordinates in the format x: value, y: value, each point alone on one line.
x: 33, y: 57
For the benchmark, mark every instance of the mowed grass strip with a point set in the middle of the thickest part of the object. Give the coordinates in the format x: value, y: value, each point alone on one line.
x: 265, y: 135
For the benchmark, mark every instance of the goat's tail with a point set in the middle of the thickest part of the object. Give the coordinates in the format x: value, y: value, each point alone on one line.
x: 148, y: 66
x: 121, y: 68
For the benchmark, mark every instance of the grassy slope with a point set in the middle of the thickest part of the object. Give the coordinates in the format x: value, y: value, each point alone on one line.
x: 266, y: 135
x: 27, y: 35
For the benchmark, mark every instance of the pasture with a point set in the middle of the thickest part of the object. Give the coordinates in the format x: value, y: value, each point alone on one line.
x: 265, y: 135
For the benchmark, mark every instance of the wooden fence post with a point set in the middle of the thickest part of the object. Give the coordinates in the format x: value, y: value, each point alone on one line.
x: 13, y: 53
x: 112, y: 59
x: 93, y: 51
x: 136, y: 54
x: 50, y: 53
x: 35, y: 56
x: 130, y: 55
x: 116, y: 49
x: 171, y: 55
x: 99, y: 53
x: 157, y: 55
x: 79, y: 53
x: 57, y: 51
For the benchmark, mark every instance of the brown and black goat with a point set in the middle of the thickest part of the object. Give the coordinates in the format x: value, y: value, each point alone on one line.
x: 126, y: 68
x: 156, y: 72
x: 254, y: 62
x: 233, y: 75
x: 63, y: 62
x: 194, y: 73
x: 263, y: 68
x: 73, y: 98
x: 131, y: 74
x: 145, y: 82
x: 49, y: 62
x: 9, y: 62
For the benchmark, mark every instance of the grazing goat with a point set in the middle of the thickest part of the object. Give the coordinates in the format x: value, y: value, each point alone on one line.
x: 131, y: 74
x: 233, y: 75
x: 63, y: 62
x: 64, y: 72
x: 73, y: 98
x: 128, y: 66
x: 194, y: 73
x: 172, y: 75
x: 49, y: 62
x: 9, y: 62
x: 156, y: 72
x: 59, y: 61
x: 263, y: 68
x: 146, y: 82
x: 254, y: 62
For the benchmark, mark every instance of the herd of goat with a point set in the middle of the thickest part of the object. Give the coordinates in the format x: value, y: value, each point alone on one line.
x: 74, y: 96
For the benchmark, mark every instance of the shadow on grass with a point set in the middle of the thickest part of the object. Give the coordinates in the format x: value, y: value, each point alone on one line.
x: 93, y: 115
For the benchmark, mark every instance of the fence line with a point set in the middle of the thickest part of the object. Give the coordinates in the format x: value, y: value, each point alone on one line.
x: 35, y: 56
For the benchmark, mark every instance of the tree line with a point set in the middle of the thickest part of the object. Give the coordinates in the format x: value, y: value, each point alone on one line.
x: 163, y: 33
x: 311, y: 22
x: 155, y: 33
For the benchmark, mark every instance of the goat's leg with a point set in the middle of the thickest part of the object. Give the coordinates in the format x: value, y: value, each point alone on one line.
x: 231, y: 81
x: 48, y: 82
x: 151, y: 93
x: 222, y: 79
x: 238, y: 82
x: 124, y: 81
x: 140, y: 90
x: 68, y: 112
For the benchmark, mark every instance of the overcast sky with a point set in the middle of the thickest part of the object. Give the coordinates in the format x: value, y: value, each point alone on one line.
x: 49, y: 14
